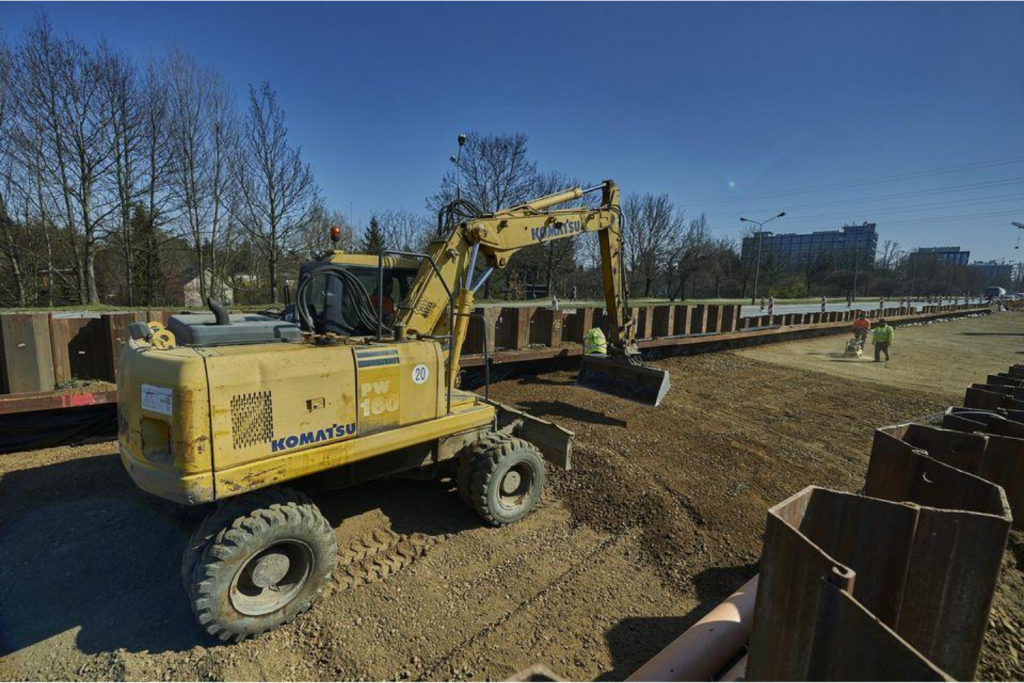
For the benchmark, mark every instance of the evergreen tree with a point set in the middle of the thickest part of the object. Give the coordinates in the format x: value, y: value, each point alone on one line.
x: 373, y: 238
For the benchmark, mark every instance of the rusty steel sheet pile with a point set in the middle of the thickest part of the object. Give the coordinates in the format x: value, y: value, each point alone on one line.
x: 894, y: 582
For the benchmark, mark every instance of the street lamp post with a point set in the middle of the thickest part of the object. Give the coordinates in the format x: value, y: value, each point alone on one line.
x: 760, y: 239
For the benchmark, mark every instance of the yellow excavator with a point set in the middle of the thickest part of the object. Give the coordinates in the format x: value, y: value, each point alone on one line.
x: 225, y: 408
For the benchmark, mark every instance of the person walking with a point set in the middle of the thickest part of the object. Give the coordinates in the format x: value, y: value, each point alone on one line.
x: 824, y: 303
x: 771, y: 305
x: 849, y: 300
x: 762, y: 304
x: 881, y: 302
x: 881, y: 337
x: 574, y: 293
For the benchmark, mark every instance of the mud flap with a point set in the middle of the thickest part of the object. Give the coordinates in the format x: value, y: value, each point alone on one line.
x: 554, y: 442
x: 616, y: 376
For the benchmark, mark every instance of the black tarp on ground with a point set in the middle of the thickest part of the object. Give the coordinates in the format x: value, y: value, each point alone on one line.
x: 46, y: 428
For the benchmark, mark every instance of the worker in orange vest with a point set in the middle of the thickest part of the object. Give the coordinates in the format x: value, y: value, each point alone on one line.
x: 861, y: 327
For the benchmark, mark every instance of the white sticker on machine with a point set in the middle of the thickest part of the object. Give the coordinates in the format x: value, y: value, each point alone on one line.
x: 157, y: 399
x: 420, y: 374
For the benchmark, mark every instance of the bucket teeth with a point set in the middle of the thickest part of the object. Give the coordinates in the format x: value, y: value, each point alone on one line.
x: 616, y: 377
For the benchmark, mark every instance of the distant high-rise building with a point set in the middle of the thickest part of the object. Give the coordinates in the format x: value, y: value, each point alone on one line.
x: 849, y: 246
x: 951, y: 255
x: 993, y: 273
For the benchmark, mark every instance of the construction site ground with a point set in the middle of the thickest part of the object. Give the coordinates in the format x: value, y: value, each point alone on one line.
x: 660, y: 518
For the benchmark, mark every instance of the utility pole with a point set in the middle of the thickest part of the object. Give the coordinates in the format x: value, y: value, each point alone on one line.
x: 760, y: 239
x: 913, y: 272
x: 856, y: 260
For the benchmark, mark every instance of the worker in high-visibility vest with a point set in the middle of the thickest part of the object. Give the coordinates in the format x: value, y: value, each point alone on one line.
x: 594, y: 343
x: 881, y: 337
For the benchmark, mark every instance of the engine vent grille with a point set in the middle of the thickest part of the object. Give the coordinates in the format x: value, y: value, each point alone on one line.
x: 252, y: 419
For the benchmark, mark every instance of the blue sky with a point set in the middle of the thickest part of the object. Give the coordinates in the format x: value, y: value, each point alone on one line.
x: 908, y: 115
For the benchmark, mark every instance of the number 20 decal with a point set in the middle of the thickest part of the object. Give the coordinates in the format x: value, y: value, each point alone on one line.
x: 420, y: 374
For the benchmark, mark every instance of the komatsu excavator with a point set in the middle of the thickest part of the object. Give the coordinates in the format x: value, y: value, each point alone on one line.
x: 224, y: 409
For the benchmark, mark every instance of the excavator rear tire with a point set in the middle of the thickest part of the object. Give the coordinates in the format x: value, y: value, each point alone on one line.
x: 506, y: 480
x: 263, y: 567
x: 223, y: 514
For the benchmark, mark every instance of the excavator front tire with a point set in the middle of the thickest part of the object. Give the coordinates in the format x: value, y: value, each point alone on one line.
x: 264, y: 564
x: 502, y: 478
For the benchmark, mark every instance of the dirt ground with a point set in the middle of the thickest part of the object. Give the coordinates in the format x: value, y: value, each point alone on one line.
x: 938, y: 357
x: 660, y: 519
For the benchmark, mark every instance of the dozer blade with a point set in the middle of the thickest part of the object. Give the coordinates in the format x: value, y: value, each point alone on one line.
x: 617, y: 377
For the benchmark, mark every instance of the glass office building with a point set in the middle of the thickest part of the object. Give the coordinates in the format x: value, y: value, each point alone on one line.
x: 952, y: 255
x: 847, y: 247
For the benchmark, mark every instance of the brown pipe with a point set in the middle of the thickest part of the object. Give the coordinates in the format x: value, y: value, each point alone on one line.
x: 708, y: 646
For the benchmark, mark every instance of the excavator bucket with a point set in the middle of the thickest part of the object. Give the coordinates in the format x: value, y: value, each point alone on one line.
x: 618, y: 377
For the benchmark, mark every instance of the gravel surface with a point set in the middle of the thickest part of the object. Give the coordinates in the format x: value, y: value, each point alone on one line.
x: 660, y: 518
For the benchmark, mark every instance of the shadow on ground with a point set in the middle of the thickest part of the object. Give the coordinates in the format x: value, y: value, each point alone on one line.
x: 635, y: 640
x: 83, y: 548
x: 548, y: 409
x: 411, y: 506
x: 992, y: 334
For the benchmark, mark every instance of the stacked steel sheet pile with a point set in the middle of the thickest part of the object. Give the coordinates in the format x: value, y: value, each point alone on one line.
x: 892, y: 583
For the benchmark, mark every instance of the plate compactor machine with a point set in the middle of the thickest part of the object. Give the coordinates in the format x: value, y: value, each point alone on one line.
x: 224, y: 409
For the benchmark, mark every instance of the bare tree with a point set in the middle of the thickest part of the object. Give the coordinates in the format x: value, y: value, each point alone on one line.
x: 189, y: 145
x: 59, y: 94
x: 496, y: 173
x: 122, y: 96
x: 652, y: 237
x: 890, y: 256
x: 9, y: 187
x: 404, y: 230
x: 690, y: 255
x: 223, y: 141
x: 277, y: 196
x: 154, y: 209
x: 722, y: 263
x: 314, y: 237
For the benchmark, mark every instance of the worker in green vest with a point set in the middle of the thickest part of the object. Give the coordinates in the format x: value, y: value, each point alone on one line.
x: 594, y: 343
x: 881, y: 337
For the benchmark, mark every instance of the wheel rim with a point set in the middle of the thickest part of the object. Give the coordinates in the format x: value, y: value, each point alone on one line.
x: 515, y: 485
x: 271, y: 578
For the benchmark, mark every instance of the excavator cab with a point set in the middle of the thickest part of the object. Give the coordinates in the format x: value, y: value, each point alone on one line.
x: 333, y: 312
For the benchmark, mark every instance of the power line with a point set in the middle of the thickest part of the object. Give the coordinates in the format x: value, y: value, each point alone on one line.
x: 894, y: 195
x: 862, y: 183
x: 943, y: 219
x: 881, y: 213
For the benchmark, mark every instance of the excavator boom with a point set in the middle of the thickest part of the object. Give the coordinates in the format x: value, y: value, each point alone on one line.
x: 467, y: 253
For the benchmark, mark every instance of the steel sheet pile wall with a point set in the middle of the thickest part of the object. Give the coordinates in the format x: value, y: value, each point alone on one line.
x: 43, y: 351
x: 893, y: 583
x: 534, y: 332
x: 832, y: 577
x: 896, y: 583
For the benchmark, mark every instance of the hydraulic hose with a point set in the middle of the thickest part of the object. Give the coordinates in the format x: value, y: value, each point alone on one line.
x: 351, y: 290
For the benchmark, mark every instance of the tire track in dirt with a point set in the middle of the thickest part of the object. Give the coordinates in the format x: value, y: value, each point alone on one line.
x: 569, y: 574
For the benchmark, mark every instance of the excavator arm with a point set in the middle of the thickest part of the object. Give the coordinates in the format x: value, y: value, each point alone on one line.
x: 491, y: 240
